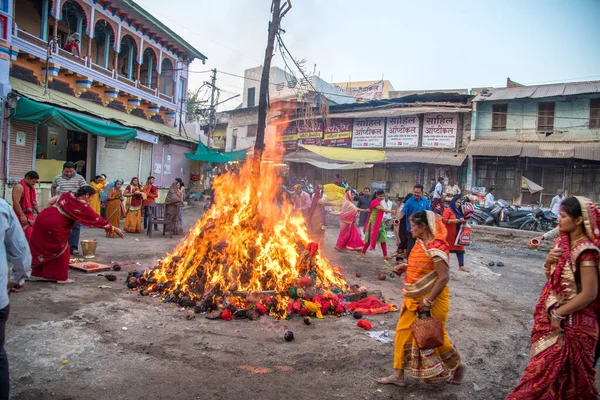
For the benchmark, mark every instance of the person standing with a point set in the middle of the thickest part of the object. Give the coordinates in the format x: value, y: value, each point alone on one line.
x: 425, y: 291
x: 364, y: 202
x: 69, y: 181
x: 453, y: 217
x: 151, y: 192
x: 415, y: 204
x: 490, y: 200
x: 438, y: 196
x: 24, y: 201
x: 432, y: 184
x: 134, y: 194
x: 115, y: 209
x: 13, y: 250
x: 172, y: 203
x: 99, y: 185
x: 453, y: 190
x: 49, y: 239
x: 556, y: 202
x: 375, y: 228
x: 565, y: 321
x: 389, y: 204
x: 301, y: 200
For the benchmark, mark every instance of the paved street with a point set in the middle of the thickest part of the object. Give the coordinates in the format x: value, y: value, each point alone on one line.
x: 120, y: 345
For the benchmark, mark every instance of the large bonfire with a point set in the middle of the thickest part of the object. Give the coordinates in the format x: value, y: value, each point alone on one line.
x: 249, y: 251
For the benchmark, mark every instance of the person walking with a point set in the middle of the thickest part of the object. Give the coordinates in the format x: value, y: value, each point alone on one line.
x: 69, y: 182
x: 25, y: 203
x: 349, y: 237
x: 438, y: 197
x: 14, y: 250
x: 363, y: 202
x: 425, y: 291
x: 565, y: 321
x: 375, y: 228
x: 416, y: 203
x: 453, y: 218
x: 301, y: 200
x: 400, y: 232
x: 556, y: 202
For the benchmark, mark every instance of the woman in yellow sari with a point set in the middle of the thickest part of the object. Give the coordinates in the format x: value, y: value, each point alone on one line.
x: 135, y: 195
x: 98, y: 184
x: 425, y: 291
x: 114, y: 206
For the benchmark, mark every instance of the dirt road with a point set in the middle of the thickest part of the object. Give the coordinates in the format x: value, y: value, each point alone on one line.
x: 120, y: 345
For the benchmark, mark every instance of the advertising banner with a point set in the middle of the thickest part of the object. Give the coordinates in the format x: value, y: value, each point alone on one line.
x: 368, y: 132
x: 439, y: 130
x: 338, y: 133
x: 402, y: 131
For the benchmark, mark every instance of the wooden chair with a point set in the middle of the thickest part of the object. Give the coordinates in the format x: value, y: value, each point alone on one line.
x: 157, y: 215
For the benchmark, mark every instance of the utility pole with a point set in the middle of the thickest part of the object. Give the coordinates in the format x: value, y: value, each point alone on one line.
x: 211, y: 120
x: 259, y: 145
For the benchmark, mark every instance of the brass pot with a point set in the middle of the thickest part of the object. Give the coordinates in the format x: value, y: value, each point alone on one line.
x: 88, y: 248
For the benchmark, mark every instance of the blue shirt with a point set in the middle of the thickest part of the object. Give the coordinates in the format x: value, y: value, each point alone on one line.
x: 412, y: 206
x: 14, y: 249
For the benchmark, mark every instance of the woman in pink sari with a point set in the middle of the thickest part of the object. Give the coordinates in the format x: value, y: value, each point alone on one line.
x: 375, y: 228
x: 349, y: 238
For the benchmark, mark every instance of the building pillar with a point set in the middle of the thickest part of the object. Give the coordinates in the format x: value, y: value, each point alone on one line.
x: 150, y: 59
x: 106, y: 48
x: 130, y: 63
x: 469, y: 183
x: 44, y: 25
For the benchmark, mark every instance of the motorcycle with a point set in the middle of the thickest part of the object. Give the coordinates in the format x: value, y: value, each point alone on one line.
x: 540, y: 221
x: 306, y: 186
x: 507, y: 216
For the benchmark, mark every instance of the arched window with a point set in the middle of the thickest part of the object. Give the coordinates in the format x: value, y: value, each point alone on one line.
x: 148, y: 74
x: 167, y: 74
x: 128, y: 56
x: 33, y: 17
x: 104, y: 41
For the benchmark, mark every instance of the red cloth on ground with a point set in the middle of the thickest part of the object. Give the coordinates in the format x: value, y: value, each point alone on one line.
x: 366, y: 325
x: 49, y: 242
x: 370, y: 305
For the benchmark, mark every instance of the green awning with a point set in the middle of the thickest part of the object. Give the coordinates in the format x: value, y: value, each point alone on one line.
x: 206, y: 154
x: 38, y: 113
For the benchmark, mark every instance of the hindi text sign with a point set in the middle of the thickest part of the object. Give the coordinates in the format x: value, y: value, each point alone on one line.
x: 439, y: 130
x: 338, y: 133
x: 368, y: 132
x: 402, y: 131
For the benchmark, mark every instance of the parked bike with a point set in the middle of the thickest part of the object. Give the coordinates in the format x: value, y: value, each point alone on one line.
x: 540, y: 220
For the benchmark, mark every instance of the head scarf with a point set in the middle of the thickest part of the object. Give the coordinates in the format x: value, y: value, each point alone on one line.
x: 438, y: 246
x: 459, y: 213
x: 138, y: 187
x: 591, y: 225
x: 173, y: 196
x: 349, y: 210
x: 104, y: 194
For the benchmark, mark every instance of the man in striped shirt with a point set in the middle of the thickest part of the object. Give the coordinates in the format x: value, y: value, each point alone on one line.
x: 69, y: 181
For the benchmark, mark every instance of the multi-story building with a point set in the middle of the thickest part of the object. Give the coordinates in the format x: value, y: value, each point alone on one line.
x: 548, y: 134
x: 100, y: 83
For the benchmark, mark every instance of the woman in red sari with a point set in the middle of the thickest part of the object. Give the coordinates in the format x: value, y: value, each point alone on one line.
x: 375, y: 228
x: 349, y: 238
x: 135, y: 197
x: 565, y: 323
x: 50, y: 237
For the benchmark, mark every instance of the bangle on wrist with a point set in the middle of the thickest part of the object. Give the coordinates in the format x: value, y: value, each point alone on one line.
x: 554, y: 314
x: 427, y: 302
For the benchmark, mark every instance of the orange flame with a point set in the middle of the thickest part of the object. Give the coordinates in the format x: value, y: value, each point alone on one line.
x: 247, y: 242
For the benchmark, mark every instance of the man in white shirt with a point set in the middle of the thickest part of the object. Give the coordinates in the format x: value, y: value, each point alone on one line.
x: 557, y: 201
x: 490, y: 200
x: 453, y: 190
x: 438, y: 196
x: 388, y: 204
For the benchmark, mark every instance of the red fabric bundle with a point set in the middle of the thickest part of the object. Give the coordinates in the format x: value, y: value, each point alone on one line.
x: 226, y: 315
x: 304, y: 281
x: 370, y: 305
x: 325, y: 304
x: 312, y: 247
x: 262, y: 310
x: 297, y: 306
x: 304, y: 312
x: 366, y: 325
x: 339, y: 309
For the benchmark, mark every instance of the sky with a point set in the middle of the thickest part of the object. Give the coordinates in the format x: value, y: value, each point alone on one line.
x: 430, y: 44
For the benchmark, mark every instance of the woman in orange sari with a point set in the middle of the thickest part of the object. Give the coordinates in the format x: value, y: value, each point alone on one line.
x: 425, y: 291
x: 565, y: 321
x: 114, y: 206
x: 135, y: 197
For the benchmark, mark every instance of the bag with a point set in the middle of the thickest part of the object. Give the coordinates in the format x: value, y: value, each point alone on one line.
x: 428, y: 332
x: 464, y: 235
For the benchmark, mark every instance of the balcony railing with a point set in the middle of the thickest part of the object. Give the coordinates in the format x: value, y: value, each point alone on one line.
x: 30, y: 44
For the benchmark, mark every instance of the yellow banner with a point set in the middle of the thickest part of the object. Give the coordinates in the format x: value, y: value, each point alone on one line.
x: 310, y: 135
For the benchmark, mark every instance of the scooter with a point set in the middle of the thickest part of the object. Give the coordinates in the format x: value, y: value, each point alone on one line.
x: 540, y: 221
x: 507, y: 216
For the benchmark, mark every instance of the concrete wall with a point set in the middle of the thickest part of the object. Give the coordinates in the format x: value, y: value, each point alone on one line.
x: 571, y: 120
x: 180, y: 166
